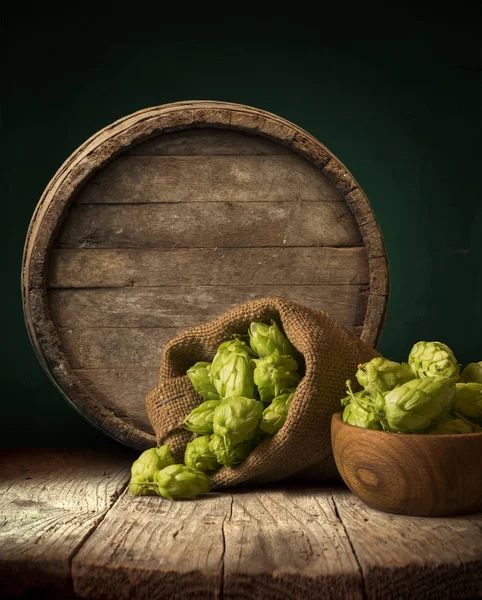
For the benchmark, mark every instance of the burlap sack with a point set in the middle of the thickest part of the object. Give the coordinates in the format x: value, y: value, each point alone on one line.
x: 329, y: 355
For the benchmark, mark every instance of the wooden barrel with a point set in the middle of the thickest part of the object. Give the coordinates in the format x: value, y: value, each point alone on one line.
x: 172, y: 215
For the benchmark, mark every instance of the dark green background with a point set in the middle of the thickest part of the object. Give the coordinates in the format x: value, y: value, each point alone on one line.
x: 396, y: 97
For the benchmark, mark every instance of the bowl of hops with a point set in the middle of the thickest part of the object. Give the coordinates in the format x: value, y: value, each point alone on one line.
x: 410, y: 440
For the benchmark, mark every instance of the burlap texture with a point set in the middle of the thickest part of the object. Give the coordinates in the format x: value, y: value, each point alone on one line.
x: 329, y: 355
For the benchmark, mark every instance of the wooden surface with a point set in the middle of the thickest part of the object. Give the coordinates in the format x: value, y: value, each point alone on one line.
x: 50, y: 502
x: 426, y: 475
x: 171, y: 216
x: 66, y: 530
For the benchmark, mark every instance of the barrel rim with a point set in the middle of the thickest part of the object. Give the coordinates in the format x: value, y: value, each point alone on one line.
x: 117, y: 137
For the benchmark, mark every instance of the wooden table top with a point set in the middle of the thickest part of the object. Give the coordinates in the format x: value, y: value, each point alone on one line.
x: 69, y: 528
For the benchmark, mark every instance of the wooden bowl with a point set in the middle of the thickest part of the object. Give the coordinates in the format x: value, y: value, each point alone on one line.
x: 410, y: 474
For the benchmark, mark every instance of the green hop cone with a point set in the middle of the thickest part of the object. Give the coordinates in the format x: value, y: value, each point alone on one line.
x: 200, y: 419
x: 232, y: 370
x: 274, y: 374
x: 274, y: 416
x: 468, y: 400
x: 265, y: 339
x: 145, y: 467
x: 451, y: 425
x: 228, y: 453
x: 472, y: 373
x: 417, y: 404
x: 237, y: 418
x: 199, y: 376
x: 363, y: 409
x: 382, y: 375
x: 433, y: 359
x: 355, y: 415
x: 178, y: 481
x: 199, y: 455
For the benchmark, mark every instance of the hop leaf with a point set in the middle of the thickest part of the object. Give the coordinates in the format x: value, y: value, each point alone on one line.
x: 199, y: 455
x: 232, y: 371
x: 145, y: 467
x: 382, y: 375
x: 433, y: 359
x: 265, y: 339
x: 419, y: 403
x: 200, y: 419
x: 472, y: 373
x: 199, y: 376
x: 237, y: 418
x: 274, y: 374
x: 227, y: 452
x: 178, y: 481
x: 274, y: 416
x: 468, y: 400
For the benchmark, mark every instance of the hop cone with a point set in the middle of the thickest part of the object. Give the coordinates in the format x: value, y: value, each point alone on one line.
x: 433, y: 359
x: 178, y: 481
x: 232, y: 371
x: 200, y: 419
x: 274, y: 416
x: 228, y: 453
x: 237, y: 418
x: 419, y: 403
x: 468, y: 400
x: 265, y: 339
x: 472, y: 373
x: 355, y: 415
x: 382, y: 375
x: 145, y: 467
x: 274, y: 374
x: 199, y: 456
x: 451, y: 425
x: 363, y: 409
x: 199, y: 376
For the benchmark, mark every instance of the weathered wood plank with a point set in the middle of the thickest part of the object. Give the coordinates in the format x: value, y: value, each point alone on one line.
x: 207, y: 266
x: 287, y: 544
x: 257, y: 544
x: 123, y: 391
x: 188, y: 306
x: 414, y: 557
x: 120, y: 347
x: 207, y: 141
x: 151, y: 549
x: 50, y: 502
x: 208, y: 179
x: 210, y: 225
x: 115, y: 347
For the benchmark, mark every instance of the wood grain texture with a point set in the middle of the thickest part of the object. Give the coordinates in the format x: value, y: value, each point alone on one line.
x: 268, y: 544
x: 210, y: 225
x: 50, y: 502
x: 116, y: 347
x: 201, y: 142
x: 208, y: 266
x: 188, y: 306
x: 426, y: 475
x: 123, y: 391
x: 151, y: 549
x: 159, y: 179
x: 287, y: 544
x: 410, y: 557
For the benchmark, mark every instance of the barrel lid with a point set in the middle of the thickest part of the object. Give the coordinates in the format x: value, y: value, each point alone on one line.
x: 172, y: 215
